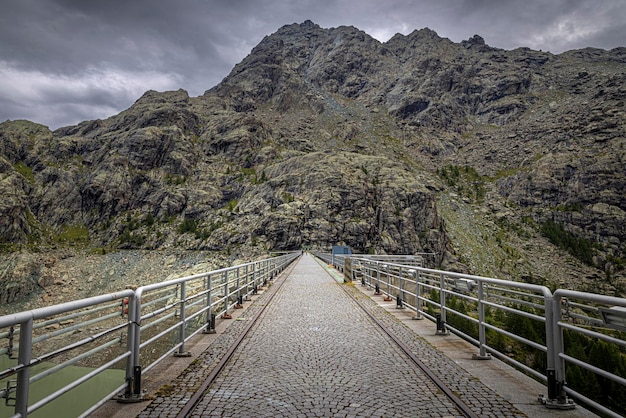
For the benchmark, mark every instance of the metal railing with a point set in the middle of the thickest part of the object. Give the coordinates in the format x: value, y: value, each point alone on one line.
x: 522, y: 324
x: 129, y: 331
x: 338, y: 260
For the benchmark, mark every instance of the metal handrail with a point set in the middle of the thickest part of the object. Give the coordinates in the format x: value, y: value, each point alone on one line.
x: 180, y: 308
x: 410, y: 285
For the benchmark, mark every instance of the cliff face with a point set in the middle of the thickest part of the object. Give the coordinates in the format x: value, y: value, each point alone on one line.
x: 327, y: 136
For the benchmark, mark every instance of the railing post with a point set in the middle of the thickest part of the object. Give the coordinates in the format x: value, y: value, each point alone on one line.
x: 226, y: 290
x: 482, y: 337
x: 210, y: 317
x: 387, y: 297
x: 400, y: 298
x: 255, y: 287
x: 181, y: 330
x: 418, y: 295
x: 239, y: 303
x: 262, y: 272
x: 555, y: 372
x: 441, y: 325
x: 133, y: 368
x: 377, y: 286
x: 364, y: 272
x: 23, y: 375
x: 246, y: 293
x: 226, y: 315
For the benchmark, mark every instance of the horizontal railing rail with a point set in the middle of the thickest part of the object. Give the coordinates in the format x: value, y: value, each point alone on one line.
x: 338, y: 260
x: 520, y: 323
x: 127, y: 332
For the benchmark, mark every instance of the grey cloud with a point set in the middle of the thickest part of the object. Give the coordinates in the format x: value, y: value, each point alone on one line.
x: 193, y: 44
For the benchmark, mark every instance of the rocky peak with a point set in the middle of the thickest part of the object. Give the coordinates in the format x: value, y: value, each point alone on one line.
x: 152, y: 97
x: 327, y: 136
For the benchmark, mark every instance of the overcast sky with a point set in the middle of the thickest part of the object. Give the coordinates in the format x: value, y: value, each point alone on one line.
x: 65, y: 61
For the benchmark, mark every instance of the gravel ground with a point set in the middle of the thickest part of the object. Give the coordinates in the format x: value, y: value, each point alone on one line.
x: 68, y: 275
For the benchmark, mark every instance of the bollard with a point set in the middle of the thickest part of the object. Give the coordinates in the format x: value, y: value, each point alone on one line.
x: 377, y: 291
x: 239, y: 304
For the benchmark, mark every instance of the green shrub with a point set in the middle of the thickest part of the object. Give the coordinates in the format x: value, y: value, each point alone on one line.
x: 232, y: 205
x: 580, y: 248
x: 188, y: 225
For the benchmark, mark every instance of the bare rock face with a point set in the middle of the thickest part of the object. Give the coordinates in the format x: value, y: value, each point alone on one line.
x: 19, y: 274
x: 327, y: 136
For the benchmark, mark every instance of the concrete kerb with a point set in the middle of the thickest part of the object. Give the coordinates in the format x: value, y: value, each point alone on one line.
x: 333, y: 273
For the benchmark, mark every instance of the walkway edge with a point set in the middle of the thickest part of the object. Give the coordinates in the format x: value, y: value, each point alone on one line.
x: 514, y: 386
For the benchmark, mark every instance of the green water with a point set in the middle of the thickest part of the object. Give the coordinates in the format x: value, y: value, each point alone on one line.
x: 70, y: 404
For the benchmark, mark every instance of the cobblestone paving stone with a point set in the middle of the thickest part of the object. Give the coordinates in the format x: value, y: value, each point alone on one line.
x: 315, y: 353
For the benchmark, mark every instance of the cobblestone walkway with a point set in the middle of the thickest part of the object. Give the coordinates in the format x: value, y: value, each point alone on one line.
x: 316, y: 353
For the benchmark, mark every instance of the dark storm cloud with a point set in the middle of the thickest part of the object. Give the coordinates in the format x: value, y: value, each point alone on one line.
x: 63, y: 61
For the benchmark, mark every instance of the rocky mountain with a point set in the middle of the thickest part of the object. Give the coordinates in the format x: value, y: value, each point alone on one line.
x: 505, y: 163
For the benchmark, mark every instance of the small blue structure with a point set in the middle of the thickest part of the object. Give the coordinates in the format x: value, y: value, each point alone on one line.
x: 341, y: 250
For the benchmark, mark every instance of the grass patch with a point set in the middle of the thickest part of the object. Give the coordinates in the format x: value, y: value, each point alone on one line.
x: 73, y: 234
x: 25, y: 171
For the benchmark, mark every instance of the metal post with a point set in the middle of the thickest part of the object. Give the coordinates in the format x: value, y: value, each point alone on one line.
x: 238, y: 282
x: 254, y: 277
x: 226, y: 290
x: 557, y: 398
x: 441, y: 328
x: 550, y: 349
x: 23, y: 375
x: 483, y: 355
x: 133, y: 367
x: 226, y: 315
x: 388, y: 278
x: 209, y: 312
x: 377, y: 279
x: 181, y: 329
x: 247, y: 283
x: 387, y: 297
x: 239, y: 304
x: 418, y: 296
x: 400, y: 298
